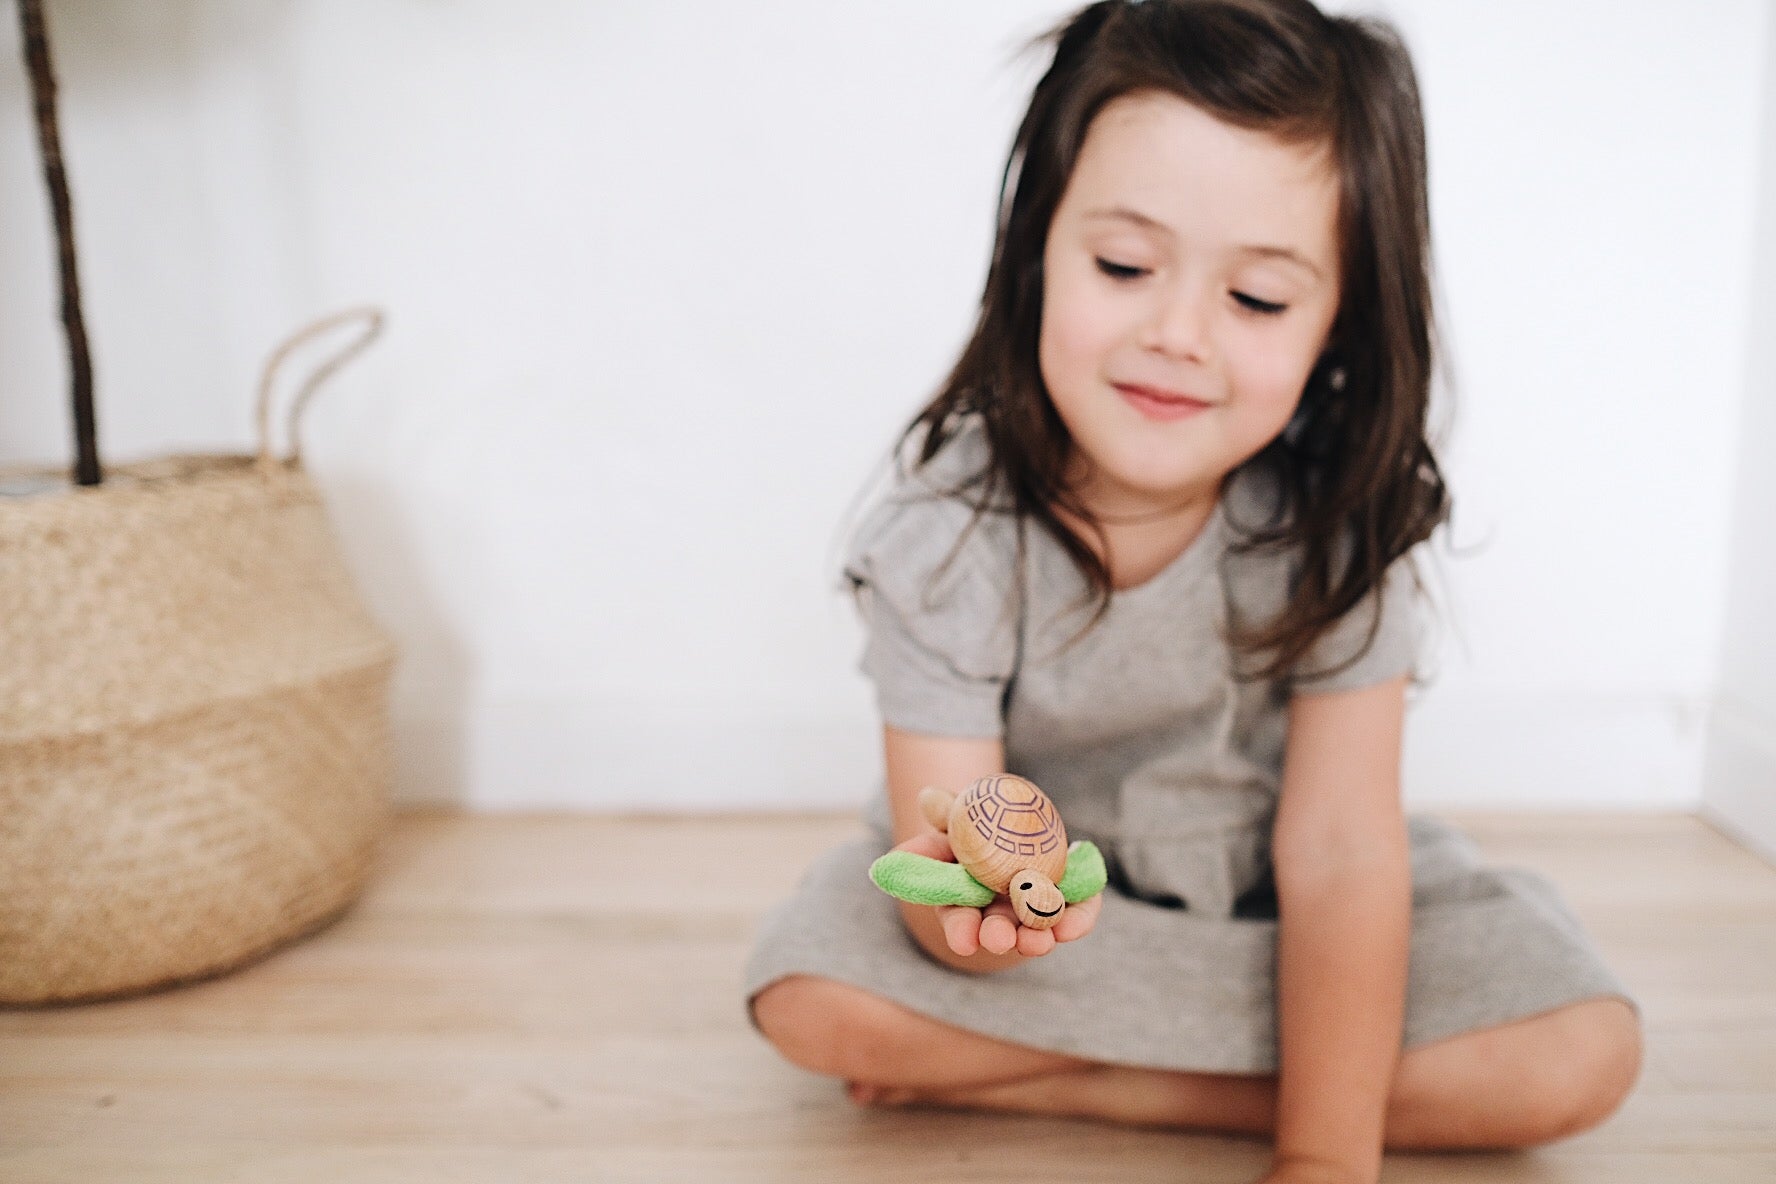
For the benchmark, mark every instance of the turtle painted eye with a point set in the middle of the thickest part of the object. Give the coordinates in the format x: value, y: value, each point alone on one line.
x: 1026, y: 885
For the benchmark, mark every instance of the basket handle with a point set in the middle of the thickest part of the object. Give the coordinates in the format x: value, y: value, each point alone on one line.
x: 370, y: 316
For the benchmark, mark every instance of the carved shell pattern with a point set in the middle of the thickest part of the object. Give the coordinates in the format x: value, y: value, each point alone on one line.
x: 1003, y: 825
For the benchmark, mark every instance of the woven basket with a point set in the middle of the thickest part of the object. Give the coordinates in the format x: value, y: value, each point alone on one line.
x: 194, y: 742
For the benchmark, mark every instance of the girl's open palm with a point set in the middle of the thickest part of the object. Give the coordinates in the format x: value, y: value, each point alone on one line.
x: 995, y: 928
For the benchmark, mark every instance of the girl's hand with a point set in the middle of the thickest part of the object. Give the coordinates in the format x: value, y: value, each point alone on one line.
x: 995, y: 928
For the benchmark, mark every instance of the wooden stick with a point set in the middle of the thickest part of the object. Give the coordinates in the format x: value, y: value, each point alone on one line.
x: 49, y: 142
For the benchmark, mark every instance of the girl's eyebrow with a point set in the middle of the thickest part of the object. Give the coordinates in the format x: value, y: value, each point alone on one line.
x: 1124, y: 214
x: 1127, y: 215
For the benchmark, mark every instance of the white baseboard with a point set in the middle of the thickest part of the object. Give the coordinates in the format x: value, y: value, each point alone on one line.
x: 1464, y: 750
x: 1739, y: 779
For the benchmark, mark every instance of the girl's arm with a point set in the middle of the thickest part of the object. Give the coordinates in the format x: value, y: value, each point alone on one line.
x: 1344, y: 889
x: 913, y: 762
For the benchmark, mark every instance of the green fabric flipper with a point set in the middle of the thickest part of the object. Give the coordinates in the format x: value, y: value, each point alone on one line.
x: 923, y: 880
x: 1085, y: 875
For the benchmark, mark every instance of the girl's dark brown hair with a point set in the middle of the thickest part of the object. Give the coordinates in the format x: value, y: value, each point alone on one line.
x: 1358, y: 483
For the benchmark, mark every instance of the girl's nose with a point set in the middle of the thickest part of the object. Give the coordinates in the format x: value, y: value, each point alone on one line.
x: 1177, y: 325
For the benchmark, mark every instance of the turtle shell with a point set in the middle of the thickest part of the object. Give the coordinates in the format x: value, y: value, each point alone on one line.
x: 1003, y: 825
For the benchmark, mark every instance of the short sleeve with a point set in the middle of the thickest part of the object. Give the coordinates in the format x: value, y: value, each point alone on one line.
x: 941, y: 639
x: 1393, y: 651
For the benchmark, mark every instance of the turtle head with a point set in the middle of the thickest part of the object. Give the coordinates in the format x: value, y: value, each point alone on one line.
x: 935, y: 804
x: 1035, y: 899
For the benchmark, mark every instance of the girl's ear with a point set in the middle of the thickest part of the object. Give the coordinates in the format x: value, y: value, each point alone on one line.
x: 1331, y: 364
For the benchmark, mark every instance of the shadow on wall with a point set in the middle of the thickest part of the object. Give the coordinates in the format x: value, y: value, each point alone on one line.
x: 429, y: 700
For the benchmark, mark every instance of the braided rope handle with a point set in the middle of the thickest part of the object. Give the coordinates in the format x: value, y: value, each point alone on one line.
x: 371, y: 319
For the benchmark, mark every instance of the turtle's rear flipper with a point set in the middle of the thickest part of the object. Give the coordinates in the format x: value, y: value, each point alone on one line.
x: 1085, y: 875
x: 923, y: 880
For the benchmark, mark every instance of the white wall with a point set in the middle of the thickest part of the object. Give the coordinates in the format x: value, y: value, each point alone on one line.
x: 1594, y: 188
x: 1739, y: 786
x: 663, y: 281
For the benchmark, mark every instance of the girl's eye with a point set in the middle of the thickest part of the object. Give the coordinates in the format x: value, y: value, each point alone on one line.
x: 1259, y: 306
x: 1118, y: 271
x: 1123, y: 272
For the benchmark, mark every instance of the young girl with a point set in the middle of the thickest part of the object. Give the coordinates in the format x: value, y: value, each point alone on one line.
x: 1153, y: 553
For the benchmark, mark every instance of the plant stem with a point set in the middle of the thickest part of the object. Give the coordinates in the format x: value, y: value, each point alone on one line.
x: 49, y: 142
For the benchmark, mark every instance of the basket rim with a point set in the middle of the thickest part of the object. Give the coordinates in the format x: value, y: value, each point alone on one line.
x: 194, y: 462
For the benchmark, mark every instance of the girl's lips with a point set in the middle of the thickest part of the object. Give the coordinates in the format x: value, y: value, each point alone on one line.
x: 1159, y: 407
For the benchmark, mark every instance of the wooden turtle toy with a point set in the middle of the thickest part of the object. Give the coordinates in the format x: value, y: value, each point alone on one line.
x: 1009, y: 841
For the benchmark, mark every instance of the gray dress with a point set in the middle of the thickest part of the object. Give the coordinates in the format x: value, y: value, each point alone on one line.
x: 1153, y: 750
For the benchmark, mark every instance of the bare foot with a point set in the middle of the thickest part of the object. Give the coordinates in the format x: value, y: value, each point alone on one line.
x: 1073, y: 1093
x: 1108, y: 1093
x: 1063, y: 1093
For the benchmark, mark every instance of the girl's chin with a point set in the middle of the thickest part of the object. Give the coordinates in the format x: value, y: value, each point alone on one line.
x: 1139, y: 473
x: 1157, y: 478
x: 1133, y: 495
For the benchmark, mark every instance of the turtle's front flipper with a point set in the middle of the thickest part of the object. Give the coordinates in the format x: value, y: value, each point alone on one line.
x: 923, y: 880
x: 1085, y: 875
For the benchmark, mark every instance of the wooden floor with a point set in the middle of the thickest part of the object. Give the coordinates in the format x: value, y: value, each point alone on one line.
x: 531, y: 999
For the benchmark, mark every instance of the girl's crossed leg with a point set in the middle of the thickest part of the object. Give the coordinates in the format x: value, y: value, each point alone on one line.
x: 1515, y: 1085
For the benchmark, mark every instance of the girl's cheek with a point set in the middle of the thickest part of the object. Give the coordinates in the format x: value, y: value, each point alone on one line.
x: 1288, y: 363
x: 1067, y: 331
x: 1276, y: 388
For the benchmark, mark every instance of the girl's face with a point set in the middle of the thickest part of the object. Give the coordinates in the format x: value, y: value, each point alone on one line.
x: 1189, y: 257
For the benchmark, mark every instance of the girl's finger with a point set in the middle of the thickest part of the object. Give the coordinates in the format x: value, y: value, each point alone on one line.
x: 961, y: 926
x: 1033, y: 943
x: 1078, y: 920
x: 998, y: 928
